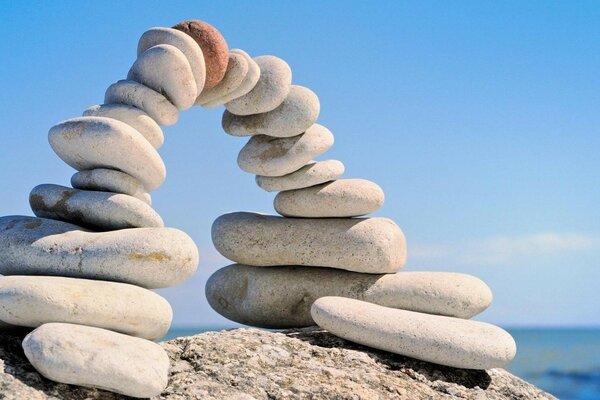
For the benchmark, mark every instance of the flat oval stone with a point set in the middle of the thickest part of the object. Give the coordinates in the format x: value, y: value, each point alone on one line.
x: 237, y: 69
x: 369, y: 245
x: 268, y: 156
x: 98, y: 210
x: 132, y: 93
x: 165, y: 69
x: 269, y: 92
x: 313, y: 173
x: 97, y: 142
x: 88, y: 356
x: 134, y: 117
x: 454, y: 342
x: 183, y: 42
x: 36, y: 300
x: 246, y: 86
x: 110, y: 180
x: 214, y: 48
x: 341, y: 198
x: 295, y: 115
x: 147, y: 257
x: 281, y: 297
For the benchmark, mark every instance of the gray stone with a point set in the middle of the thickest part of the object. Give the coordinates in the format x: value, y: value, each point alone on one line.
x: 110, y: 180
x: 280, y: 297
x: 147, y: 257
x: 313, y: 173
x: 442, y: 340
x: 237, y: 69
x: 247, y: 84
x: 369, y: 245
x: 268, y: 156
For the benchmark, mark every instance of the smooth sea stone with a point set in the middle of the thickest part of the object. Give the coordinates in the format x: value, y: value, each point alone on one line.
x: 247, y: 84
x: 281, y: 297
x: 165, y: 69
x: 183, y: 42
x: 147, y: 257
x: 36, y: 300
x: 110, y: 180
x: 269, y: 156
x: 269, y: 92
x: 98, y: 210
x: 341, y: 198
x: 214, y: 48
x: 295, y: 115
x: 134, y: 117
x: 97, y: 142
x: 89, y: 356
x: 313, y: 173
x: 369, y: 245
x: 237, y: 69
x: 438, y: 339
x: 132, y: 93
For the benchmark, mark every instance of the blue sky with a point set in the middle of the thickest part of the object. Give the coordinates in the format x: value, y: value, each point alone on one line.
x: 479, y: 120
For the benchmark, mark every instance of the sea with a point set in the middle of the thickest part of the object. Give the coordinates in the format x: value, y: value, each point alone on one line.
x: 564, y: 362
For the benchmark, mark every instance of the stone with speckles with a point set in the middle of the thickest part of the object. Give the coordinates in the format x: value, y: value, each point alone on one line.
x: 110, y: 180
x: 313, y: 173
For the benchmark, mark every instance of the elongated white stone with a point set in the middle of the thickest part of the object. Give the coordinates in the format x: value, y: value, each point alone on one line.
x: 110, y: 180
x: 237, y: 69
x: 313, y: 173
x: 245, y: 87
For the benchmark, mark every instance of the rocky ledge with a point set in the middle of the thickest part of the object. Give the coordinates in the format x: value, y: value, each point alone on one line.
x: 246, y: 364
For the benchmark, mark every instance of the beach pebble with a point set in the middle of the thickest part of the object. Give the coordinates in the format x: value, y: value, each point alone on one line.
x: 313, y: 173
x: 183, y: 42
x: 97, y: 210
x: 110, y: 180
x: 165, y: 69
x: 147, y: 257
x: 89, y: 356
x: 246, y: 86
x: 237, y: 69
x: 214, y: 49
x: 341, y: 198
x: 269, y: 156
x: 295, y: 115
x: 269, y: 92
x: 454, y: 342
x: 369, y: 245
x: 132, y: 93
x: 98, y: 142
x: 36, y: 300
x: 280, y: 297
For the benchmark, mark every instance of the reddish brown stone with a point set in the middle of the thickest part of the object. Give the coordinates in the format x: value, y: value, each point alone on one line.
x: 214, y: 48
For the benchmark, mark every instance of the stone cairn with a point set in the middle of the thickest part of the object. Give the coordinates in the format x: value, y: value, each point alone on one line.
x: 80, y: 271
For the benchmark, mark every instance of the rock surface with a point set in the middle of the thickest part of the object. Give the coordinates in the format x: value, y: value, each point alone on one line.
x: 247, y: 84
x: 313, y: 173
x: 237, y: 69
x: 110, y: 180
x: 250, y: 364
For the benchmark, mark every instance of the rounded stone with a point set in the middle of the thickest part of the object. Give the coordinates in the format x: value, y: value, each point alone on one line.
x: 132, y: 93
x: 454, y: 342
x: 281, y: 297
x: 97, y: 142
x: 313, y: 173
x: 110, y: 180
x: 237, y: 69
x: 341, y: 198
x: 98, y: 210
x: 36, y: 300
x: 295, y: 115
x: 146, y: 257
x: 165, y: 69
x: 134, y: 117
x: 89, y: 356
x: 214, y: 48
x: 269, y: 156
x: 369, y: 245
x: 269, y: 92
x: 246, y: 86
x: 183, y: 42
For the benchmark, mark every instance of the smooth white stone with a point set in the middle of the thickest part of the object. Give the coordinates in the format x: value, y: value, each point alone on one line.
x: 269, y: 92
x: 36, y: 300
x: 94, y: 357
x: 97, y: 142
x: 147, y: 257
x: 313, y: 173
x: 237, y: 69
x: 369, y: 245
x: 268, y: 156
x: 134, y: 117
x: 98, y: 210
x: 110, y: 180
x: 438, y: 339
x: 247, y: 84
x: 165, y: 69
x: 132, y: 93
